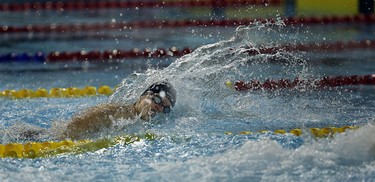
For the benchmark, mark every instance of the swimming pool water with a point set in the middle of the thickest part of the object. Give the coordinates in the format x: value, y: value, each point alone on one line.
x: 191, y: 144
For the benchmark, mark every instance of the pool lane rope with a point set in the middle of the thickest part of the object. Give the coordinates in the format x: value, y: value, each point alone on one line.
x: 297, y: 83
x: 103, y: 4
x: 122, y: 26
x: 253, y: 85
x: 70, y: 92
x: 54, y: 148
x: 93, y: 56
x: 119, y: 54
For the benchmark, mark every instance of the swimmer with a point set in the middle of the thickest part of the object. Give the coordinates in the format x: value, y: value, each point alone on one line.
x: 160, y: 97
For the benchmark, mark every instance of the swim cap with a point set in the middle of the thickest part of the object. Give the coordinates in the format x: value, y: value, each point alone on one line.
x: 162, y: 86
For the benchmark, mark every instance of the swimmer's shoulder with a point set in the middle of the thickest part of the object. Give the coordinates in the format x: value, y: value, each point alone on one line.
x: 113, y: 106
x: 103, y: 110
x: 115, y: 109
x: 95, y: 118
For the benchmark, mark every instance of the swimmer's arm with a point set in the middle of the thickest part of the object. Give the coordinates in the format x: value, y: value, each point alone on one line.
x: 95, y: 119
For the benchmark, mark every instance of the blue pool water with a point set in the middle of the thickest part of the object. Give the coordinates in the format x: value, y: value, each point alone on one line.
x: 192, y: 145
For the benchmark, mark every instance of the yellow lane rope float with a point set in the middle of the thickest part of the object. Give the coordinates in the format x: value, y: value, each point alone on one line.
x: 54, y: 148
x: 57, y: 92
x: 316, y: 132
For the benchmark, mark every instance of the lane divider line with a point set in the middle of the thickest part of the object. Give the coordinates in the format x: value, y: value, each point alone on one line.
x: 324, y: 82
x: 118, y: 54
x: 57, y: 92
x: 54, y: 148
x: 122, y: 26
x: 110, y: 4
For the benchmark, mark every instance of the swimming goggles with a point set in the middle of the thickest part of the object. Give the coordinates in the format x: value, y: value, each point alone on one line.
x: 158, y: 100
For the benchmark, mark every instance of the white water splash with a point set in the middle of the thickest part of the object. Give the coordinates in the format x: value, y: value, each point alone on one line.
x: 342, y: 158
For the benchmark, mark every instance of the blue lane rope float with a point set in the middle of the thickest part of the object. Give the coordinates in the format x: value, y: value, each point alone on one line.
x: 57, y: 92
x: 23, y: 57
x: 54, y: 148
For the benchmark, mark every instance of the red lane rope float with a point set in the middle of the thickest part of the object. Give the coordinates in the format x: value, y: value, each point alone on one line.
x: 335, y: 46
x: 321, y: 46
x: 296, y: 83
x: 148, y: 53
x: 57, y: 56
x: 65, y: 28
x: 115, y: 54
x: 84, y: 5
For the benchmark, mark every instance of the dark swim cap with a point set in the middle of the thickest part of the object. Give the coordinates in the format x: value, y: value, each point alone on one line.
x: 158, y: 87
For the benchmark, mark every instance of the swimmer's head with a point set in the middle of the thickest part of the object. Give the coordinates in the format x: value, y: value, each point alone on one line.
x: 159, y: 97
x: 162, y: 89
